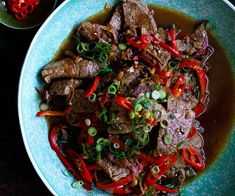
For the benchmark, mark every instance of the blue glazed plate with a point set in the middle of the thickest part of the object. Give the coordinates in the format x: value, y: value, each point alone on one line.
x: 218, y: 180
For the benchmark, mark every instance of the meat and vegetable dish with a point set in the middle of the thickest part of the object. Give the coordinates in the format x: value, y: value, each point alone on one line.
x: 124, y: 103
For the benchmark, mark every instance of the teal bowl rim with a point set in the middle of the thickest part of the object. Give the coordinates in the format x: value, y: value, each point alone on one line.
x: 31, y: 156
x: 35, y: 25
x: 19, y: 100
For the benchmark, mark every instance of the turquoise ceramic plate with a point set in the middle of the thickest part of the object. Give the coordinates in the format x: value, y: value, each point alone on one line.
x: 219, y: 179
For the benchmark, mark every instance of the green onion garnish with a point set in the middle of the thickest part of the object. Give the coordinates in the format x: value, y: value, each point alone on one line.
x: 112, y: 90
x: 77, y: 184
x: 116, y: 145
x: 162, y: 94
x: 164, y: 123
x: 167, y: 138
x: 155, y: 169
x: 92, y: 131
x: 92, y: 98
x: 173, y: 64
x: 155, y: 95
x: 131, y: 115
x: 98, y: 147
x: 138, y: 108
x: 44, y: 106
x: 122, y: 46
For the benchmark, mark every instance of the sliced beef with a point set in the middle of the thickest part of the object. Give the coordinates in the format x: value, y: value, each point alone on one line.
x: 138, y: 18
x: 199, y: 37
x: 69, y: 68
x: 95, y: 32
x: 124, y: 162
x: 81, y: 104
x: 130, y: 75
x: 157, y: 55
x: 114, y: 171
x: 64, y: 87
x: 121, y: 124
x: 117, y: 18
x: 180, y: 121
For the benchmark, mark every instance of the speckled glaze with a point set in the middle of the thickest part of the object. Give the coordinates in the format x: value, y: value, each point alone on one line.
x: 218, y: 180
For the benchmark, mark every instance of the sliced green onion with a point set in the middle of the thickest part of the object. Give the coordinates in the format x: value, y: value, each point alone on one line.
x: 155, y: 169
x: 44, y: 106
x: 147, y: 128
x: 147, y: 95
x: 147, y: 114
x: 77, y: 184
x: 92, y: 131
x: 162, y: 94
x: 180, y: 144
x: 98, y: 147
x: 157, y: 114
x: 173, y: 64
x: 131, y: 115
x: 92, y: 98
x: 112, y: 90
x: 167, y: 138
x: 88, y: 122
x: 104, y: 70
x: 138, y: 108
x: 155, y: 95
x: 103, y: 141
x: 122, y: 46
x: 164, y: 123
x: 190, y: 172
x: 146, y: 105
x: 116, y: 145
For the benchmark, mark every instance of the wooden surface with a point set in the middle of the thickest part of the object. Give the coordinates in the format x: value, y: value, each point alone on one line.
x: 17, y: 175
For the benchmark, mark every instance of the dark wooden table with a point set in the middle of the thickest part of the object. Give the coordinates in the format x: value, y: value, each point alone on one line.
x: 17, y: 175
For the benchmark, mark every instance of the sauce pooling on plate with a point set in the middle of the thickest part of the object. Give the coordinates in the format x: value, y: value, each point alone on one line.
x: 123, y: 99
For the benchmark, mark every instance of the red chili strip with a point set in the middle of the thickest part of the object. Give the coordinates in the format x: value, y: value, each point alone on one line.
x: 55, y: 146
x: 203, y: 83
x: 114, y: 185
x: 94, y: 86
x: 179, y: 86
x: 93, y: 167
x: 172, y: 35
x: 170, y: 49
x: 192, y: 132
x: 144, y: 59
x: 165, y: 189
x: 81, y: 165
x: 122, y: 191
x: 193, y: 158
x: 124, y: 102
x: 50, y: 113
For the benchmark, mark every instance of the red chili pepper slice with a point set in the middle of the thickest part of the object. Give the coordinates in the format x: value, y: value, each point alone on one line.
x: 170, y: 49
x: 50, y: 113
x: 138, y: 42
x: 55, y: 146
x: 94, y: 86
x: 122, y: 191
x: 191, y: 64
x: 164, y: 163
x: 193, y: 158
x: 165, y: 189
x: 144, y: 59
x: 114, y: 185
x: 93, y: 167
x: 172, y: 35
x: 90, y: 139
x: 115, y: 140
x: 81, y: 165
x: 124, y: 102
x: 84, y: 170
x: 179, y: 86
x: 192, y: 132
x: 203, y: 83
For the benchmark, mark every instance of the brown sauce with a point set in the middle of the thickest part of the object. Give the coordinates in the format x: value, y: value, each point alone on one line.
x: 218, y: 118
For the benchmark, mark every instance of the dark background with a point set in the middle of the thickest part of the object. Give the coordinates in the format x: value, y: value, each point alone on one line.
x: 17, y: 175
